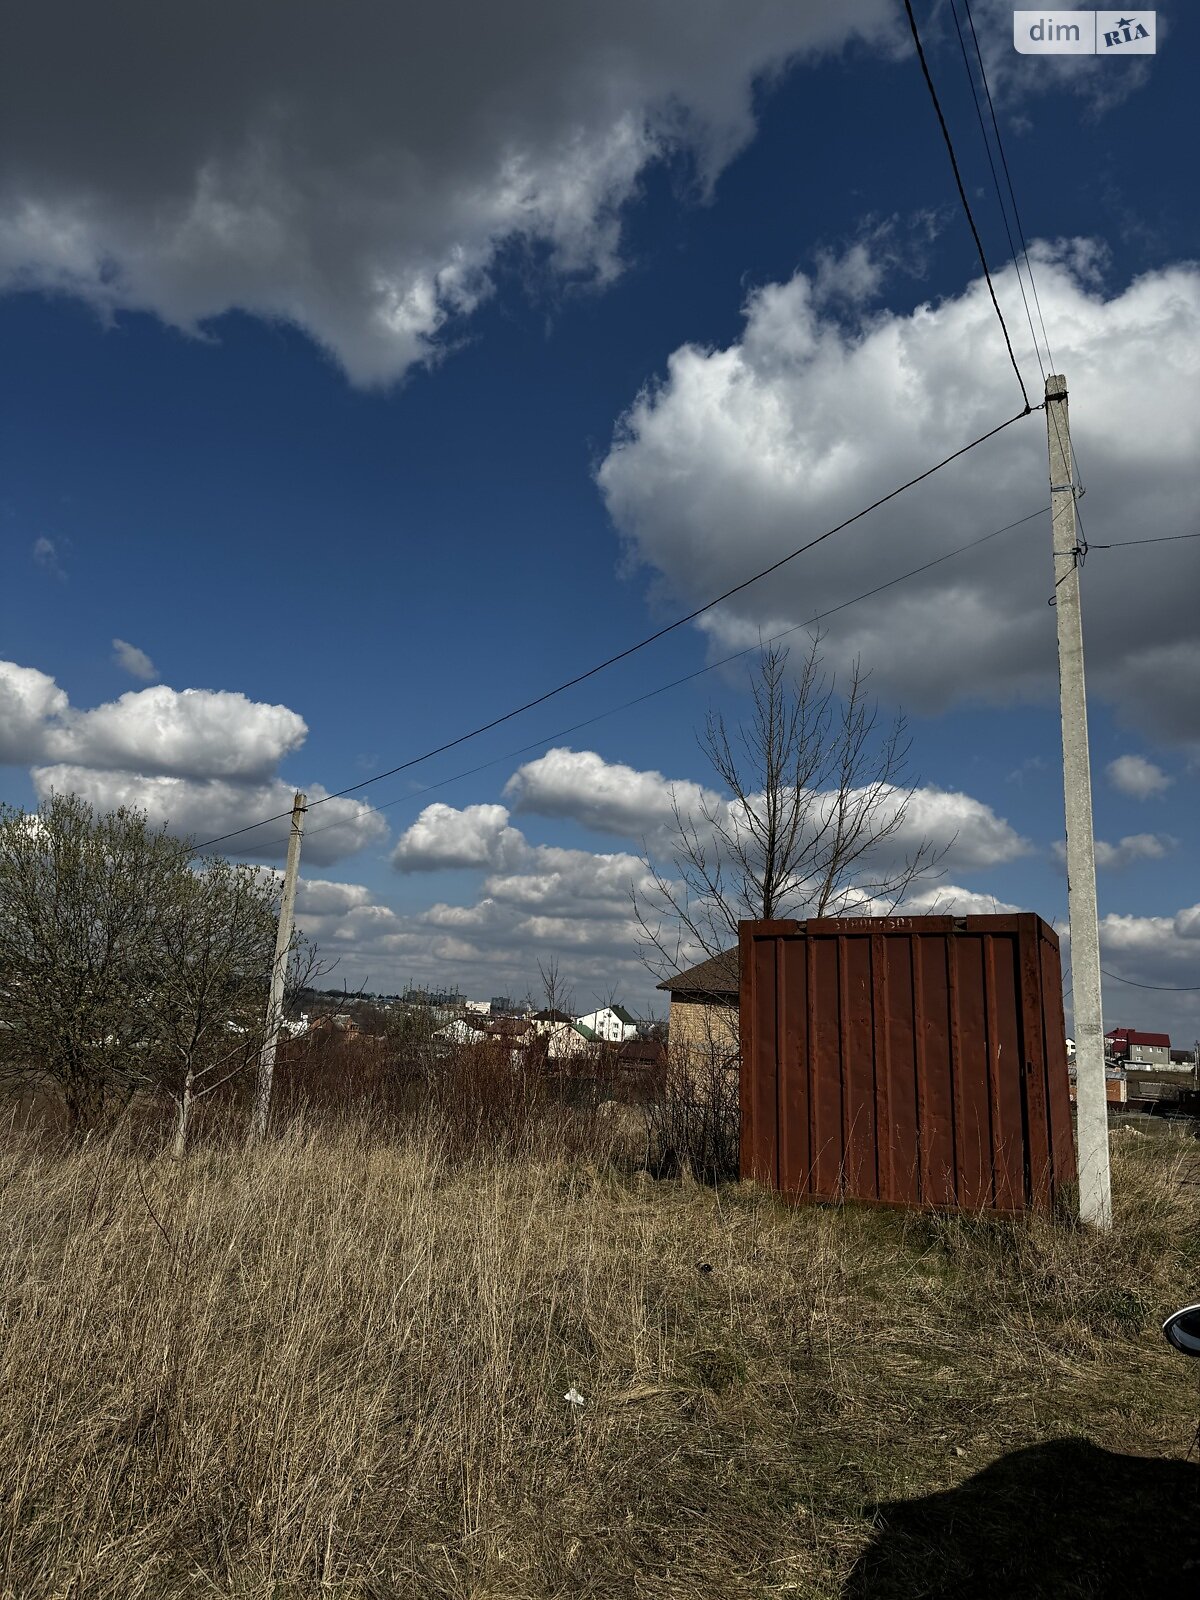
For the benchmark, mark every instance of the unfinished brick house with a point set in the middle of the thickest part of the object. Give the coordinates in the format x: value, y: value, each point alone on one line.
x: 703, y: 1020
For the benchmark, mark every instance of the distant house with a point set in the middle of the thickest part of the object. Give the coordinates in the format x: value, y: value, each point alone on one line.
x: 459, y: 1032
x: 643, y: 1055
x: 1134, y: 1049
x: 611, y: 1024
x: 335, y: 1022
x: 549, y: 1021
x: 704, y: 1008
x: 567, y: 1042
x: 513, y: 1030
x: 1116, y: 1087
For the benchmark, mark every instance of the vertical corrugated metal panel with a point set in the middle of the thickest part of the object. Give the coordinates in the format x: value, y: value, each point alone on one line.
x: 908, y: 1060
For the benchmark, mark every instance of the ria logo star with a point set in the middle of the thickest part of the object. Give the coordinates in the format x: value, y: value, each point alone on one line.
x: 1125, y: 22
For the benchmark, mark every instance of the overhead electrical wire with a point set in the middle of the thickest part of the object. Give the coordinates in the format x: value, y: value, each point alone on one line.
x: 766, y: 571
x: 1012, y: 248
x: 1163, y: 538
x: 802, y: 549
x: 1008, y: 179
x: 622, y: 655
x: 1073, y: 462
x: 1163, y: 988
x: 962, y: 195
x: 675, y: 683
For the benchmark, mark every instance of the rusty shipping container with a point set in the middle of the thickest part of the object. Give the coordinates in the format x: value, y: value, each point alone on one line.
x: 916, y: 1061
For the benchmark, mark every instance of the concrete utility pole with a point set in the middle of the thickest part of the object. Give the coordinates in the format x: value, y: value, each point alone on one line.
x: 283, y: 945
x: 1095, y: 1184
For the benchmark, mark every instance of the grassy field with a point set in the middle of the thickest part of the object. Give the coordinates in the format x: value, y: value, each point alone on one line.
x: 336, y: 1367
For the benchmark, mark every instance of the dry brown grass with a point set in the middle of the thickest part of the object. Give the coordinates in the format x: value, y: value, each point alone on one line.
x: 336, y: 1366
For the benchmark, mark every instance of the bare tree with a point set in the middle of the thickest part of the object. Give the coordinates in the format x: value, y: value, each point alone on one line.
x: 81, y: 897
x: 816, y: 792
x: 556, y: 994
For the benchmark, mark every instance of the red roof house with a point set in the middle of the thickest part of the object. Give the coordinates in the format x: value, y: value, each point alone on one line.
x: 1123, y: 1041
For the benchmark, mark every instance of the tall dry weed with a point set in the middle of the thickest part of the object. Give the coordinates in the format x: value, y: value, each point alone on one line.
x: 337, y: 1365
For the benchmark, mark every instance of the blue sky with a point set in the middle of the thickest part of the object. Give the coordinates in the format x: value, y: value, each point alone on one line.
x: 367, y: 382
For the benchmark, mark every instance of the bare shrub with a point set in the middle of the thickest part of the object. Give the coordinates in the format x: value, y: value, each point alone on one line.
x: 693, y: 1124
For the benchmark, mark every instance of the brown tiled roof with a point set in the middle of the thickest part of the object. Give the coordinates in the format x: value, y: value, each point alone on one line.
x: 643, y: 1052
x: 716, y: 976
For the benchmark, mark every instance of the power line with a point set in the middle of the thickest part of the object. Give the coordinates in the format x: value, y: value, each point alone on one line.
x: 641, y: 644
x: 1012, y: 194
x: 962, y: 195
x: 675, y: 683
x: 1166, y: 538
x: 1012, y: 248
x: 1162, y: 988
x: 1081, y: 554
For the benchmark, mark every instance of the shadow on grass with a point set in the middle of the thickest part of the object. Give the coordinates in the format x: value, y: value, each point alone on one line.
x: 1064, y: 1519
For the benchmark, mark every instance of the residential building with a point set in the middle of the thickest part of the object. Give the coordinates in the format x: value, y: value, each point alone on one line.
x: 335, y: 1022
x: 459, y: 1032
x: 704, y: 1018
x: 1134, y: 1049
x: 647, y: 1056
x: 611, y: 1024
x: 549, y: 1021
x: 1116, y: 1088
x: 566, y: 1042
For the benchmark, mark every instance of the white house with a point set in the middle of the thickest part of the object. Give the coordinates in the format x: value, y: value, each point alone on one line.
x: 611, y: 1024
x: 565, y: 1042
x: 459, y: 1032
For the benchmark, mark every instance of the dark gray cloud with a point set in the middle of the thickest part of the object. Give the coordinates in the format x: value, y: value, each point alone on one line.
x: 352, y: 169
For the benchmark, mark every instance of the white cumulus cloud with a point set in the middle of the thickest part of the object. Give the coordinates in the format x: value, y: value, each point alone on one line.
x: 742, y: 453
x: 1137, y: 777
x: 606, y: 796
x: 1161, y: 952
x: 203, y: 808
x: 611, y: 797
x: 201, y: 761
x: 195, y: 733
x: 29, y: 701
x: 443, y: 836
